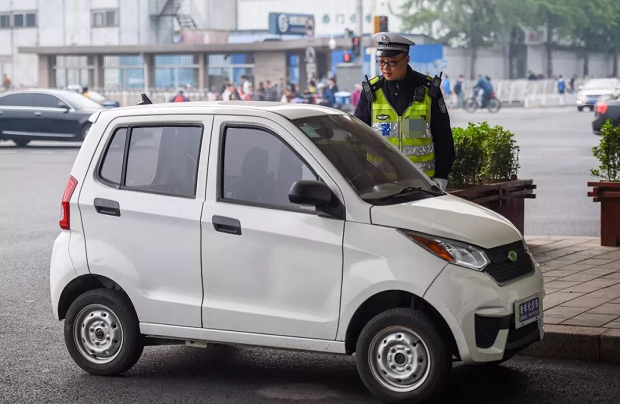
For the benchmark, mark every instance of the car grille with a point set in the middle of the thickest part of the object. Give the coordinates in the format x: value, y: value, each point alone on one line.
x: 487, y: 329
x: 502, y: 269
x: 521, y: 333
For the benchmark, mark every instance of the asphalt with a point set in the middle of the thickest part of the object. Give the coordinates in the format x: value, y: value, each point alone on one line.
x: 556, y: 152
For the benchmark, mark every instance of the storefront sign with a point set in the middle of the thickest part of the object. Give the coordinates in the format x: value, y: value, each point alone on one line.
x: 291, y: 24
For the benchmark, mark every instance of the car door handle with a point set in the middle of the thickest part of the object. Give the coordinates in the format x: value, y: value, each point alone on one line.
x: 38, y: 113
x: 107, y: 207
x: 226, y: 225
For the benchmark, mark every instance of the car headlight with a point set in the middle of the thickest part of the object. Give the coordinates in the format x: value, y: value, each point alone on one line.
x: 457, y: 253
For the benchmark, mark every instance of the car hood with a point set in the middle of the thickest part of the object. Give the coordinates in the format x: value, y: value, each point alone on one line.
x: 449, y: 217
x: 591, y: 93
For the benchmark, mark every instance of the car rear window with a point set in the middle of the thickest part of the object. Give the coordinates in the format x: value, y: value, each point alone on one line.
x: 159, y: 159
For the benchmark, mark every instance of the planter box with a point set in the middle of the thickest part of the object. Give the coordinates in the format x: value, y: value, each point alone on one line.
x: 608, y: 194
x: 505, y: 198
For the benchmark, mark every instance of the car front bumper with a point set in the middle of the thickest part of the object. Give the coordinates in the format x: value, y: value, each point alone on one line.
x: 466, y: 298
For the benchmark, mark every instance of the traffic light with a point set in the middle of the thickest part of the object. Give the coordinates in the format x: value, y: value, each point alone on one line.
x: 347, y: 57
x: 380, y: 23
x: 355, y: 45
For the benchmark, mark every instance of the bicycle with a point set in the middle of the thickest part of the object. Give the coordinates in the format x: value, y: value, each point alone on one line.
x: 474, y: 102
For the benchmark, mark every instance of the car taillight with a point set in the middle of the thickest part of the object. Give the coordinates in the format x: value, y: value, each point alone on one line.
x: 64, y: 208
x: 601, y: 108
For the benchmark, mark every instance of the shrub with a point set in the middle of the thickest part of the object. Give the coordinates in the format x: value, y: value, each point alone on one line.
x: 483, y: 155
x: 608, y: 153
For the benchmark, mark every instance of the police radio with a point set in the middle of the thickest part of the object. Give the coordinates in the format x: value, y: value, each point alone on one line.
x: 436, y: 86
x: 367, y: 89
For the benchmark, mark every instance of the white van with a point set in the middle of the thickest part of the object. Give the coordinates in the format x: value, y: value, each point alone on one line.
x: 287, y: 226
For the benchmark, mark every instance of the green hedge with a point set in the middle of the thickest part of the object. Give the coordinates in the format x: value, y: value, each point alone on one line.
x: 483, y: 155
x: 608, y: 153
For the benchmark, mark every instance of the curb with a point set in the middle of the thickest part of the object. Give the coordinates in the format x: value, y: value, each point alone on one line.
x: 577, y: 343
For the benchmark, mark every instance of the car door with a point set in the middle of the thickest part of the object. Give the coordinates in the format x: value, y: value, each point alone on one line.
x: 16, y: 114
x: 141, y: 206
x: 269, y: 266
x: 54, y: 119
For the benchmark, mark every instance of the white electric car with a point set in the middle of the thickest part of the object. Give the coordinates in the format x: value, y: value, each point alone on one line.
x: 287, y: 226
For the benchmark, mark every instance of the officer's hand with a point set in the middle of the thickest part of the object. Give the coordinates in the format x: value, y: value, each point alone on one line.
x: 441, y: 183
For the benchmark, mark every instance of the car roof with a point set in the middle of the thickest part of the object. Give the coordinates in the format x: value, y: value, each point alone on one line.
x: 38, y: 90
x: 289, y: 111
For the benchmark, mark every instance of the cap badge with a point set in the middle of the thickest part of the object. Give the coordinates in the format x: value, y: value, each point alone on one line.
x: 385, y: 39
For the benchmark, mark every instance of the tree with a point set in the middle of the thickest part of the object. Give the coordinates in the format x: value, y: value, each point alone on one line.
x: 473, y: 23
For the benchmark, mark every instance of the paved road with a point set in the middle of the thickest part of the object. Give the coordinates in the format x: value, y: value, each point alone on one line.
x: 556, y: 151
x: 35, y: 366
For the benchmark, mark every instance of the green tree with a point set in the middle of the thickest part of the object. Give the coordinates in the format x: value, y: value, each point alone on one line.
x: 473, y: 23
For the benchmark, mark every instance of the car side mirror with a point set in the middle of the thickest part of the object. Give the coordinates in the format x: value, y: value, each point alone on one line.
x: 317, y: 194
x: 64, y: 106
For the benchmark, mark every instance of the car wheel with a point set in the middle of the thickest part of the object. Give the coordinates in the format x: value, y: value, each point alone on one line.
x: 21, y: 142
x: 401, y: 357
x: 102, y: 332
x: 84, y: 132
x: 591, y: 108
x: 580, y: 109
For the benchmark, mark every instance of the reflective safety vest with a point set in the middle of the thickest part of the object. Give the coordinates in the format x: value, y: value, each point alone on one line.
x: 409, y: 133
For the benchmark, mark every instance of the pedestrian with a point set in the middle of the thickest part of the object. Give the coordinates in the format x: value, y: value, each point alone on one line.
x: 272, y: 92
x: 327, y: 97
x: 561, y: 85
x: 6, y: 82
x: 407, y: 108
x: 572, y: 83
x: 281, y: 87
x: 459, y: 91
x: 355, y: 96
x: 260, y: 92
x: 531, y: 76
x: 225, y: 86
x: 180, y: 97
x: 245, y: 84
x: 333, y: 87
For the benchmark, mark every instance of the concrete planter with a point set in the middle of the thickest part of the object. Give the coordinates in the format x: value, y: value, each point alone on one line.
x: 505, y: 198
x: 608, y: 194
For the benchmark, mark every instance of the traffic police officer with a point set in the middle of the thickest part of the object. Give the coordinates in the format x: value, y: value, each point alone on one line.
x: 408, y: 109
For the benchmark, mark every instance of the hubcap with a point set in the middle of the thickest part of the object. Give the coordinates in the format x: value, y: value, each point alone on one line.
x: 98, y: 334
x: 399, y: 359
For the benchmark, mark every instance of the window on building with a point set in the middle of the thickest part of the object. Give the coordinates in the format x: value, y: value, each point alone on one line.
x: 31, y: 20
x: 18, y: 20
x: 105, y: 18
x: 174, y: 71
x: 5, y: 21
x: 231, y: 67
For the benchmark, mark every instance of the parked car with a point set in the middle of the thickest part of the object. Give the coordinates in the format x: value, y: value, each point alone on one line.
x: 287, y: 226
x: 603, y: 111
x: 95, y: 96
x: 595, y: 90
x: 44, y: 115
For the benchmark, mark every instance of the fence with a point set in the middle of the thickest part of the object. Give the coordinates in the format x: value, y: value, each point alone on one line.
x: 526, y: 93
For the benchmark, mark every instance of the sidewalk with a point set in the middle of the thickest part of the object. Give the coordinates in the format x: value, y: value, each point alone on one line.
x: 582, y: 302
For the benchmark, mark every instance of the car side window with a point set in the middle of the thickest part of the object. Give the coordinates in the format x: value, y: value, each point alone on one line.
x: 45, y: 101
x: 163, y: 159
x: 112, y: 165
x: 259, y: 168
x: 17, y: 100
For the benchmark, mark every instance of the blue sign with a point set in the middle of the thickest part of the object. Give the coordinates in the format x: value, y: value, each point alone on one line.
x: 291, y: 24
x: 427, y: 59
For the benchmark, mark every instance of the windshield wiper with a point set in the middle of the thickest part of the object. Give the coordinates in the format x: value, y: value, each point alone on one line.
x: 434, y: 191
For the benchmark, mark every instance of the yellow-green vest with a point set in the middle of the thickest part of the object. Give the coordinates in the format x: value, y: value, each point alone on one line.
x: 409, y: 133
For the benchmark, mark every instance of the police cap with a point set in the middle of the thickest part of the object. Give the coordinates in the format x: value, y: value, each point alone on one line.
x: 391, y: 44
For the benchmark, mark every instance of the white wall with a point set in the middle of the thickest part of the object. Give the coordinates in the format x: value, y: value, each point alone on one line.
x: 489, y: 62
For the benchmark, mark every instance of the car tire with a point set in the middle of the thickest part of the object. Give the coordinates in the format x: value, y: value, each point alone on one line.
x: 580, y: 109
x: 21, y: 142
x: 402, y: 358
x: 102, y: 332
x: 84, y: 132
x: 591, y: 108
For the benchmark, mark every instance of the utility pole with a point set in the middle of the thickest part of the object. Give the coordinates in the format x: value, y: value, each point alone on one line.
x: 360, y: 30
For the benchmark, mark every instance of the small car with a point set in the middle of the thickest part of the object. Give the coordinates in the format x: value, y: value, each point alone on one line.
x: 603, y: 111
x: 595, y: 90
x: 45, y: 115
x: 284, y: 226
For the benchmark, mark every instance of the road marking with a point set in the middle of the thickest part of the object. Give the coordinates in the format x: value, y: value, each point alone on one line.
x: 558, y: 149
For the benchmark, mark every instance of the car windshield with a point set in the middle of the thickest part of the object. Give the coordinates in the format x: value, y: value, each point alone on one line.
x: 78, y: 101
x: 600, y: 85
x: 371, y: 165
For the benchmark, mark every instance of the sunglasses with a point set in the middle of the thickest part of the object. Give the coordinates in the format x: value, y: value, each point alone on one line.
x: 391, y: 63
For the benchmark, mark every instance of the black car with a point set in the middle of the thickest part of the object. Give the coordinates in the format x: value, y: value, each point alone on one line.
x: 45, y: 115
x: 603, y: 111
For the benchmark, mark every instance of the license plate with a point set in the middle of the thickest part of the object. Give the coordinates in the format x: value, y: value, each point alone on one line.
x: 591, y: 101
x: 527, y: 310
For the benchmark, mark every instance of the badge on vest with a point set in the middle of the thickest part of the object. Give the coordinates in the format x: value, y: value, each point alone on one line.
x: 382, y: 117
x: 385, y: 129
x: 442, y: 106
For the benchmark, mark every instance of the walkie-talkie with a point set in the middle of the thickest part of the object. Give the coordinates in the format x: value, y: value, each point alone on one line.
x: 436, y: 86
x: 367, y: 88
